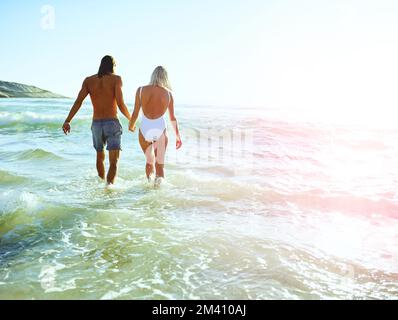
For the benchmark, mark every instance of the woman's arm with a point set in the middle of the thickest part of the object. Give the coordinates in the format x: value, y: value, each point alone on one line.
x: 76, y: 106
x: 136, y: 111
x: 174, y: 123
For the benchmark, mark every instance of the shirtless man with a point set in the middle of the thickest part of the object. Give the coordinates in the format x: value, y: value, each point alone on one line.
x: 105, y: 90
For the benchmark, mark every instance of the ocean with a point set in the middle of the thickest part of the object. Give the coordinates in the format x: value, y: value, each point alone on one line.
x: 260, y: 203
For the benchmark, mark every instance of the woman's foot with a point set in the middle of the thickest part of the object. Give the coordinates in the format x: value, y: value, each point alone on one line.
x: 149, y: 169
x: 151, y: 178
x: 158, y: 182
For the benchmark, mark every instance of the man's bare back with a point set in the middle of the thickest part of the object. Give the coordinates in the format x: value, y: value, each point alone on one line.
x: 105, y: 94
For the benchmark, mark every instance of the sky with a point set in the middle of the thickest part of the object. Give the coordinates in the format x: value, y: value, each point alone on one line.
x: 325, y: 54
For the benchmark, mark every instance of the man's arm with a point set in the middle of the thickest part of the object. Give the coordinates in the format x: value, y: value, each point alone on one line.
x: 119, y: 98
x: 137, y: 107
x: 174, y: 123
x: 76, y: 106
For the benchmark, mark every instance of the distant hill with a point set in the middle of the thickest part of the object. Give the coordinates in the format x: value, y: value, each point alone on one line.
x: 18, y: 90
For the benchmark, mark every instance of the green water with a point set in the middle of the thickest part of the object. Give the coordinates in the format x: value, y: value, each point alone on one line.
x: 275, y: 227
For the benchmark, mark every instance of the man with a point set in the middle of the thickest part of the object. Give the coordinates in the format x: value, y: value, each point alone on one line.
x: 105, y: 90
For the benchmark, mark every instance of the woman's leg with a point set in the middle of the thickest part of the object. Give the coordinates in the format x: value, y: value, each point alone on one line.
x: 147, y: 148
x: 160, y: 147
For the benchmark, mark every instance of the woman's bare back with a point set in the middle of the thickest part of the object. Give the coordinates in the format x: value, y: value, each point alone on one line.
x: 155, y: 101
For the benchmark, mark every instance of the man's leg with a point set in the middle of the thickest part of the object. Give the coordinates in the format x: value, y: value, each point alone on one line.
x: 113, y: 160
x: 98, y: 143
x: 113, y: 133
x: 101, y: 164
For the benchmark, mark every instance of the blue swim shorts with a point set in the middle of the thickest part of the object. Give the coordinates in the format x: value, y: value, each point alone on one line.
x: 107, y: 132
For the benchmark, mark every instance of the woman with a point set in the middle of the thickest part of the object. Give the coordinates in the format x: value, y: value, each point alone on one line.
x: 155, y: 99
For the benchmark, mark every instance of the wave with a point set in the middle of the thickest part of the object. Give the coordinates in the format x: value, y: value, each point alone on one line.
x: 23, y: 209
x: 38, y: 154
x: 12, y: 202
x: 7, y: 178
x: 31, y: 154
x: 28, y: 118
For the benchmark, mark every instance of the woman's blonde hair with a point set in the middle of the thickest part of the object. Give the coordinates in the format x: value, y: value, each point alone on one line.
x: 160, y: 78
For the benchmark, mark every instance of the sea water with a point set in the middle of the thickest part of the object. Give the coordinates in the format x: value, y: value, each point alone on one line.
x: 260, y: 203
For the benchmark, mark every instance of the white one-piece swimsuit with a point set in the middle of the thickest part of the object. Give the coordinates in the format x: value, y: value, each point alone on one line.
x: 152, y: 129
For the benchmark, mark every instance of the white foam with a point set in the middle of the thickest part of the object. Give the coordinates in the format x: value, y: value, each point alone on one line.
x: 110, y: 295
x: 47, y: 278
x: 12, y: 201
x: 158, y: 182
x: 8, y: 117
x: 32, y: 118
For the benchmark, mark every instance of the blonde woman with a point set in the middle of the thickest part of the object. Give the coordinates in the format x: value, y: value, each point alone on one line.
x: 155, y: 99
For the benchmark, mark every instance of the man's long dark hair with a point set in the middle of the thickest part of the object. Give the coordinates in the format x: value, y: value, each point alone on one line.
x: 107, y: 66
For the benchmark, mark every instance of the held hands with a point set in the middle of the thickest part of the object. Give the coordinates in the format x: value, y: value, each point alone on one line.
x: 131, y: 126
x: 66, y: 128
